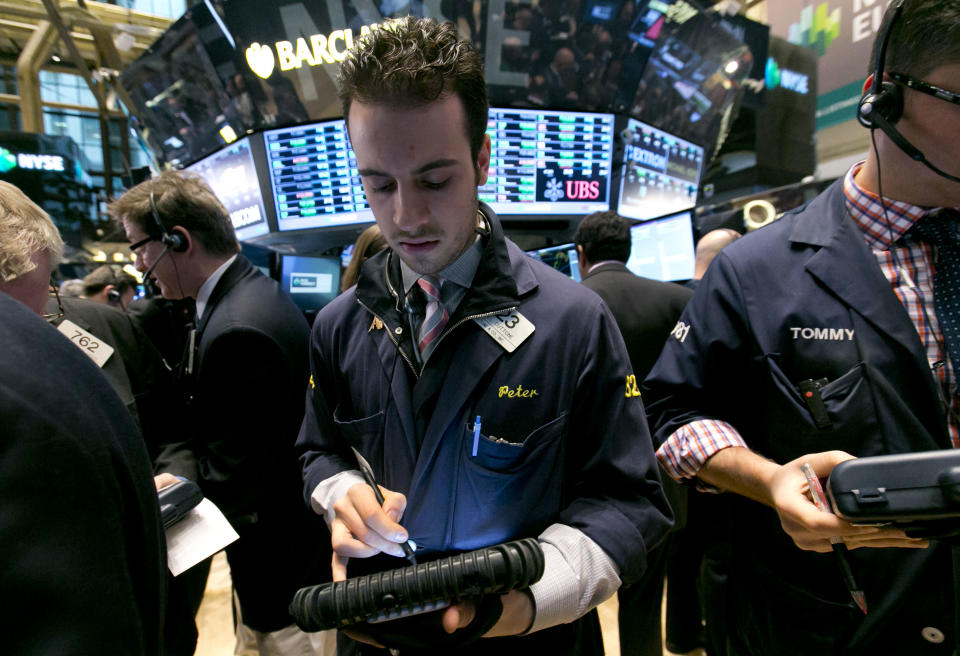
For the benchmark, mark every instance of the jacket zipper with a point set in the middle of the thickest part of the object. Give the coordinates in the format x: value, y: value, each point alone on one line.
x: 396, y: 344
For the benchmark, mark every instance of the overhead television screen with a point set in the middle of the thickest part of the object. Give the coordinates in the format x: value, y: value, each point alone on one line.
x: 563, y: 258
x: 694, y: 74
x: 232, y: 176
x: 312, y: 282
x: 663, y: 249
x: 660, y: 175
x: 548, y: 162
x: 314, y: 177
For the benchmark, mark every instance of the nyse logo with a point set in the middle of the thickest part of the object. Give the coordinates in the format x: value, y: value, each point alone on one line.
x: 583, y: 189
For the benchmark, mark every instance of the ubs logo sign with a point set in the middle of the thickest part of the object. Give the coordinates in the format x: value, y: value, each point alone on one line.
x: 572, y: 190
x: 583, y: 189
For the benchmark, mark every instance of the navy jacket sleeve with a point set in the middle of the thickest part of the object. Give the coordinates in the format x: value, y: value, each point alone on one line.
x: 616, y: 496
x: 699, y: 369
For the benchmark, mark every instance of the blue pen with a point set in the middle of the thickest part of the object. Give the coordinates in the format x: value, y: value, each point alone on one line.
x: 476, y: 435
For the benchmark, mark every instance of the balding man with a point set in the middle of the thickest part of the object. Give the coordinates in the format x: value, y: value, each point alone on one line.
x: 707, y: 248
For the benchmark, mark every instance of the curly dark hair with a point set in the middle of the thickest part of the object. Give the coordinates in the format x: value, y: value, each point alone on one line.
x: 604, y: 236
x: 412, y: 62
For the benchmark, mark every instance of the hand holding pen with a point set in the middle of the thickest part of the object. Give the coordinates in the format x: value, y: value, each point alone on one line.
x: 836, y: 542
x: 367, y: 471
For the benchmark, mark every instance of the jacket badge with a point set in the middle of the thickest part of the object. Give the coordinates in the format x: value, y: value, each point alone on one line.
x: 376, y: 324
x: 515, y: 393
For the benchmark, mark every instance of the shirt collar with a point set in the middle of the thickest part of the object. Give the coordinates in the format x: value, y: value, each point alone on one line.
x: 599, y: 264
x: 880, y: 229
x: 461, y: 271
x: 203, y: 296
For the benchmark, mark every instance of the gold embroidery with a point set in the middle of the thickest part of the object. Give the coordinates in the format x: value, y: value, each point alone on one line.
x: 518, y: 393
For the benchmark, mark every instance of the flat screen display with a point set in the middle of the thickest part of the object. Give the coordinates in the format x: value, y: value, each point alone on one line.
x: 314, y: 177
x: 563, y: 258
x: 660, y: 175
x: 548, y: 162
x: 312, y: 282
x: 232, y: 175
x: 663, y: 249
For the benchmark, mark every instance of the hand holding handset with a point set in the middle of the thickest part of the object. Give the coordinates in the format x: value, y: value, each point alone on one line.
x: 177, y: 500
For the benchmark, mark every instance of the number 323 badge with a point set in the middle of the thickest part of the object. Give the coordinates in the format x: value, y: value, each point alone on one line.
x: 509, y: 329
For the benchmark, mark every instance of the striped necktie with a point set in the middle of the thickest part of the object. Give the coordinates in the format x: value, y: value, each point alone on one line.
x: 940, y: 229
x: 435, y: 316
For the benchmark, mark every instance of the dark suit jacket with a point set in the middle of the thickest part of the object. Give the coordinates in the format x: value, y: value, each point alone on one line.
x: 646, y: 310
x: 246, y: 405
x: 135, y: 370
x: 82, y: 552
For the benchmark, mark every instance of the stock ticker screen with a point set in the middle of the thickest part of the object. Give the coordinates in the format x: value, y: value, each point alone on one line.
x: 548, y: 162
x: 661, y: 173
x: 314, y: 177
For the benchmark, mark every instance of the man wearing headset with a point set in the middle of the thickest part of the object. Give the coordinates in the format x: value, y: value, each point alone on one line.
x: 244, y: 380
x: 104, y: 285
x: 817, y: 339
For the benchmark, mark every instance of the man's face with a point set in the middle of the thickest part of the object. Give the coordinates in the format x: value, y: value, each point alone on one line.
x: 165, y: 273
x: 419, y: 178
x: 33, y: 288
x: 933, y: 126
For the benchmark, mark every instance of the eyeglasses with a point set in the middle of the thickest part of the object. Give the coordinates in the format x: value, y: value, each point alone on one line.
x: 139, y: 244
x: 927, y: 88
x: 59, y: 313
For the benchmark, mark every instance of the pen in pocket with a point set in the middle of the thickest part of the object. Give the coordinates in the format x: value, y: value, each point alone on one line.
x: 476, y: 435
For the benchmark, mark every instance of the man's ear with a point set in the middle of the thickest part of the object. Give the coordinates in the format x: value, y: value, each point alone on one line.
x: 483, y: 161
x: 183, y: 238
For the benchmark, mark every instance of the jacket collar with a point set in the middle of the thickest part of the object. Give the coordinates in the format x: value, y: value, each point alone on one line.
x: 606, y: 266
x: 237, y: 270
x: 503, y: 277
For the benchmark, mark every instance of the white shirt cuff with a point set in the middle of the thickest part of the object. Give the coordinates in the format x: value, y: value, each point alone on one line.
x: 330, y: 489
x: 578, y: 576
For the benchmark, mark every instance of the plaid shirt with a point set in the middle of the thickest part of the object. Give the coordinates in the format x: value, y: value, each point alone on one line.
x: 684, y: 452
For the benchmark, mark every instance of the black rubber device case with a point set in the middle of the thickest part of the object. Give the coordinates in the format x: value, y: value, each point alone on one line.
x: 902, y: 489
x: 176, y: 501
x: 418, y: 588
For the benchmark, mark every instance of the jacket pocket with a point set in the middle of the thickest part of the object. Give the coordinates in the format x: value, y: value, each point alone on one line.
x: 363, y: 433
x: 500, y: 456
x: 508, y: 489
x: 789, y: 420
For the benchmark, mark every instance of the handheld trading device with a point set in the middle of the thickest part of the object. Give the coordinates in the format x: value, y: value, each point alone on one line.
x: 419, y: 588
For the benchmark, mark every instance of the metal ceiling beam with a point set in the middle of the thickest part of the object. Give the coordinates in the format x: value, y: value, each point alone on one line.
x: 29, y: 64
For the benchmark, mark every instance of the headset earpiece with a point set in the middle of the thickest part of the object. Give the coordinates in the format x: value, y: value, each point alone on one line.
x: 875, y: 109
x: 113, y: 296
x: 175, y: 240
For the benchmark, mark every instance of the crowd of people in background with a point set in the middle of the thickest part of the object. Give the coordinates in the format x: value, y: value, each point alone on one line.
x: 635, y: 429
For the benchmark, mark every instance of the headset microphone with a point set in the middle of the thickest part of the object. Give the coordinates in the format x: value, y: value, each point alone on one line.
x: 146, y: 274
x: 882, y: 104
x: 912, y: 151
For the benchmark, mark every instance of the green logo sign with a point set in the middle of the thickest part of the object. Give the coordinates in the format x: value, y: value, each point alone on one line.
x: 817, y: 29
x: 7, y: 160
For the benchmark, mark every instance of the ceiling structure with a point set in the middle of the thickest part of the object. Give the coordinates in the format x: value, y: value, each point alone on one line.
x: 93, y: 39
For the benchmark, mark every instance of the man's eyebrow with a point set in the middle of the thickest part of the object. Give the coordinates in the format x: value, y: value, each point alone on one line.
x: 429, y: 166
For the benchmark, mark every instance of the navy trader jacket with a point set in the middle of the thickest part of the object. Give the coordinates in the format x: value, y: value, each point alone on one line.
x: 804, y: 299
x: 563, y: 437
